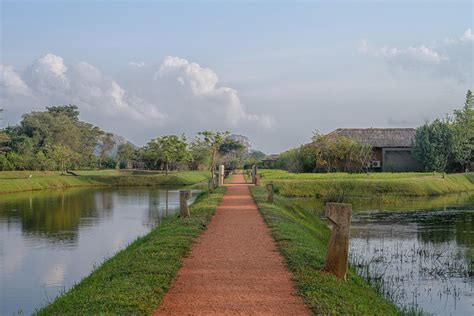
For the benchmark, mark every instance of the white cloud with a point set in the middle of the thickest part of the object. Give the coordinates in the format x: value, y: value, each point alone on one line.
x: 136, y: 64
x: 467, y: 36
x: 176, y: 96
x: 421, y: 53
x: 11, y: 82
x: 450, y: 58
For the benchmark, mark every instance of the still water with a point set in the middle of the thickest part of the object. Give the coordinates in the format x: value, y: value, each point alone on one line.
x: 420, y: 260
x: 50, y: 240
x: 418, y: 252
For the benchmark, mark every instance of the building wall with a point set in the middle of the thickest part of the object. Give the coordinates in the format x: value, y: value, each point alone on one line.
x: 399, y: 160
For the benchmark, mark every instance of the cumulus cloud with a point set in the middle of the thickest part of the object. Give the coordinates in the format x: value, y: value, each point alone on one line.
x: 449, y: 58
x: 175, y: 96
x: 11, y: 82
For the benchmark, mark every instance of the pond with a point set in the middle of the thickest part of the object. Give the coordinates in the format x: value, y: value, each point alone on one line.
x: 421, y: 260
x: 50, y: 240
x: 418, y: 252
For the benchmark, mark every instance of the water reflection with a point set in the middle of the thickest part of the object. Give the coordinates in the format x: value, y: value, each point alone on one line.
x: 51, y: 239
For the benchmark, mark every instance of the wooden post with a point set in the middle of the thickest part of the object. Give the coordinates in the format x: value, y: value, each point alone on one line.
x: 221, y: 175
x: 338, y: 249
x: 184, y: 196
x: 270, y: 192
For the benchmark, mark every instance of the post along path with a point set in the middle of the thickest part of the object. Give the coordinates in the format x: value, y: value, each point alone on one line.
x: 234, y: 267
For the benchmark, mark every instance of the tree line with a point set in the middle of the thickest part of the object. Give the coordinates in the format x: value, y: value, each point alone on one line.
x: 56, y: 139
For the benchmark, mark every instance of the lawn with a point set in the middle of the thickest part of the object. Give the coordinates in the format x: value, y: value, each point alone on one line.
x: 134, y: 281
x: 338, y: 186
x: 16, y: 181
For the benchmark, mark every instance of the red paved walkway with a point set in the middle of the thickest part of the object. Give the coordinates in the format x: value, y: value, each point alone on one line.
x: 234, y: 267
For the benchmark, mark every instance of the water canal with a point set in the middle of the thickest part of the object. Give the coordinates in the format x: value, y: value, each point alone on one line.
x: 50, y: 240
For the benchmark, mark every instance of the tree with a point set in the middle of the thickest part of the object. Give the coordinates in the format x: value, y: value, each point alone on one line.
x: 232, y: 152
x: 170, y: 150
x: 106, y: 144
x: 433, y: 145
x: 125, y: 154
x: 212, y: 142
x: 61, y: 155
x: 463, y: 138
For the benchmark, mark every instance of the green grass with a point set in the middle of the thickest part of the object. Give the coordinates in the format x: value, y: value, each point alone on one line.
x: 134, y: 281
x: 335, y: 185
x: 16, y: 181
x: 302, y: 239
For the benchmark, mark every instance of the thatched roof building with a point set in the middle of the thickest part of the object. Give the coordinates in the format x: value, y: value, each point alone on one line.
x: 378, y: 137
x: 391, y: 146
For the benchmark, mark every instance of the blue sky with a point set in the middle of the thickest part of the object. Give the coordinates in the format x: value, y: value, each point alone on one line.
x: 274, y: 71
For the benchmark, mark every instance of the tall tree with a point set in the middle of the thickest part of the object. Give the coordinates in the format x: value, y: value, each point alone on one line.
x: 433, y: 145
x: 125, y: 154
x: 463, y: 138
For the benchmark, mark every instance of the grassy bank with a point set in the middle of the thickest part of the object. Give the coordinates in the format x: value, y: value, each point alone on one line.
x: 16, y: 181
x: 302, y: 239
x: 335, y: 185
x: 134, y: 281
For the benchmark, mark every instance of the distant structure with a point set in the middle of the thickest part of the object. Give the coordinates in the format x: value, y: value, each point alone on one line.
x: 244, y: 141
x: 391, y: 147
x: 270, y: 161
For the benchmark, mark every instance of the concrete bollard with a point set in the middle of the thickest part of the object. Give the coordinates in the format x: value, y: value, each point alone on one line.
x: 257, y: 180
x: 221, y: 175
x: 270, y: 192
x: 254, y: 174
x: 338, y: 249
x: 184, y: 196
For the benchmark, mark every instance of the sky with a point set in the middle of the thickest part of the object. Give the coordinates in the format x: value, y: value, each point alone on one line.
x: 275, y: 71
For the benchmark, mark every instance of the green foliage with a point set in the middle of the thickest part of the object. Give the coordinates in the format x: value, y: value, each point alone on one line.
x: 125, y: 154
x: 56, y: 133
x: 232, y: 153
x: 302, y: 239
x: 254, y: 158
x: 447, y: 145
x: 339, y: 154
x: 170, y: 150
x: 135, y: 280
x: 433, y: 145
x: 210, y: 142
x: 326, y: 154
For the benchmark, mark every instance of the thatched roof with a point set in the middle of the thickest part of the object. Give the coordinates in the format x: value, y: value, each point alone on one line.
x: 378, y: 137
x: 271, y: 158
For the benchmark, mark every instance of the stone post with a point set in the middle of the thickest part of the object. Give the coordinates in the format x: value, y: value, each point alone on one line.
x: 221, y: 175
x: 257, y: 179
x: 184, y: 196
x: 270, y: 192
x: 338, y: 249
x: 254, y: 174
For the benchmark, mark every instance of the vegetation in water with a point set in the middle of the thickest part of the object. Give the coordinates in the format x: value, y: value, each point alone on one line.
x: 423, y: 267
x: 302, y: 239
x: 134, y: 281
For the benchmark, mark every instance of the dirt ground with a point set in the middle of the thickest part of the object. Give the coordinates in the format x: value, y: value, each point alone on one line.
x: 234, y: 267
